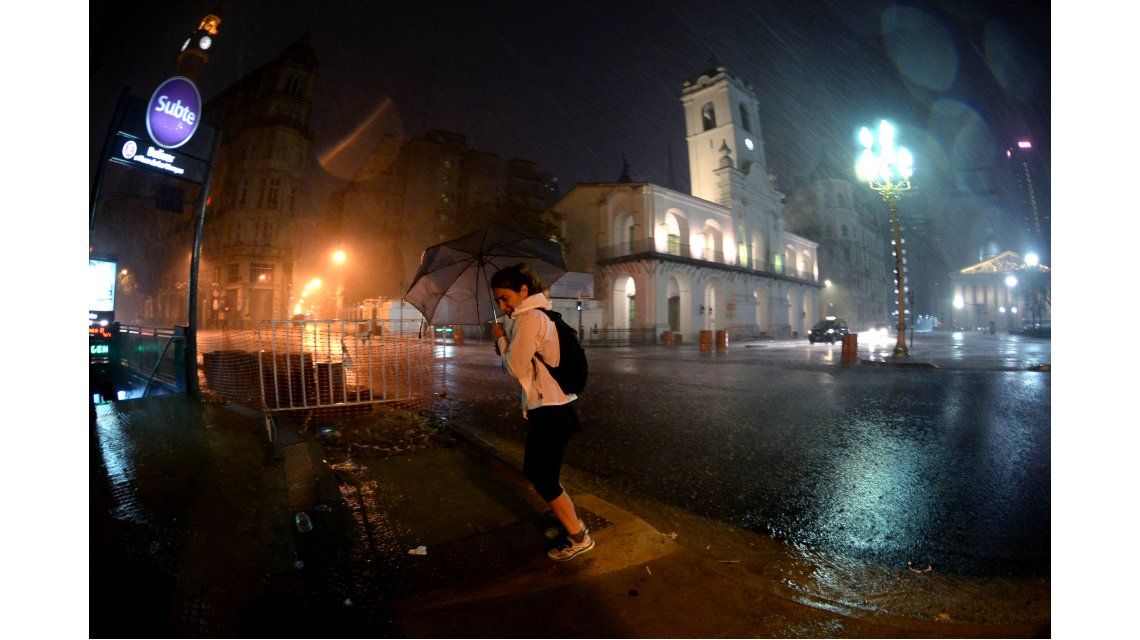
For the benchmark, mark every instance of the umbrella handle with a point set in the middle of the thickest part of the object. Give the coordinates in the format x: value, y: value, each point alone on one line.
x: 491, y: 294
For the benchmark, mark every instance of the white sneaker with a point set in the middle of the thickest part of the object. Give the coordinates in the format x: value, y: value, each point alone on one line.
x: 569, y: 549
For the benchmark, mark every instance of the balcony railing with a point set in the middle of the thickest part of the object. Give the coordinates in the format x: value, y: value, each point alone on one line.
x: 672, y: 248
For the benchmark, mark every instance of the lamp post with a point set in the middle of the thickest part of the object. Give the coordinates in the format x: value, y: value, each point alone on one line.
x: 889, y: 173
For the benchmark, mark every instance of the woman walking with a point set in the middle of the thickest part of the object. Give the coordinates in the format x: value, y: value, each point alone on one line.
x: 551, y: 414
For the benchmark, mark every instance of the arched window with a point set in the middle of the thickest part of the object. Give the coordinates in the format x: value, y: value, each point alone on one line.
x: 744, y: 119
x: 708, y: 116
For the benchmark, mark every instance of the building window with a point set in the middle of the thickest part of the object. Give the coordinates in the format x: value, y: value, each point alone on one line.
x: 293, y: 198
x: 243, y: 192
x: 674, y: 244
x: 293, y: 85
x: 744, y: 119
x: 273, y: 192
x: 708, y: 116
x: 233, y: 272
x: 844, y: 230
x: 847, y: 254
x: 261, y: 272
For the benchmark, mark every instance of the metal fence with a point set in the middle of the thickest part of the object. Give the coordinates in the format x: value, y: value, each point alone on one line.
x: 323, y: 370
x: 619, y: 337
x: 307, y: 365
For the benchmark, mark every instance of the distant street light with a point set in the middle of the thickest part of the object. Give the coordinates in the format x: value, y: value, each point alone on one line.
x: 889, y: 173
x: 1031, y: 259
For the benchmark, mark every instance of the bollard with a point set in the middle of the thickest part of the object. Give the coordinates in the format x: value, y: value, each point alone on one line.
x: 706, y: 340
x: 850, y: 352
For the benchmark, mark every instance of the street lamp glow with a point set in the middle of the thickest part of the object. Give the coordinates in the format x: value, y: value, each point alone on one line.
x: 827, y: 283
x: 959, y: 303
x: 1031, y: 259
x: 889, y: 173
x: 338, y: 256
x: 1011, y: 281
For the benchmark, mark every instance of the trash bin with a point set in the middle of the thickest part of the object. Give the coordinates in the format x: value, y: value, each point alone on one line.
x: 721, y: 340
x: 706, y: 340
x: 850, y: 351
x: 667, y: 338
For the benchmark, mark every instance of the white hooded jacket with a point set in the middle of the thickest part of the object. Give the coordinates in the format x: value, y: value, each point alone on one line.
x: 529, y: 333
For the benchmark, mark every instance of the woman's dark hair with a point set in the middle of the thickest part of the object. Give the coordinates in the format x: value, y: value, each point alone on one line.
x: 515, y: 277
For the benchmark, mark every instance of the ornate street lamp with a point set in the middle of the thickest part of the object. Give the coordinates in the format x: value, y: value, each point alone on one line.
x: 889, y: 173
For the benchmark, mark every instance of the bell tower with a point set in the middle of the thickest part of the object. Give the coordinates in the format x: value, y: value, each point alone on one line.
x: 722, y: 128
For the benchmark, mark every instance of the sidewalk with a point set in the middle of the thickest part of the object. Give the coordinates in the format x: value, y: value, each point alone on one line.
x: 193, y: 534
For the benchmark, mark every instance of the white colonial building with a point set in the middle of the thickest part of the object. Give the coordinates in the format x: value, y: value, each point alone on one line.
x: 717, y: 259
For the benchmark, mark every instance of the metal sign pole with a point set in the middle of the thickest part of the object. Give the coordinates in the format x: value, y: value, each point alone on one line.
x: 192, y: 313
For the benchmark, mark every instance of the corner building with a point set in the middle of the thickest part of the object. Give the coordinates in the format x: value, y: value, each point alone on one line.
x: 248, y: 250
x: 716, y: 259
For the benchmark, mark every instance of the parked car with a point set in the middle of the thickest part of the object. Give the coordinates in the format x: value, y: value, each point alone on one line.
x: 828, y: 330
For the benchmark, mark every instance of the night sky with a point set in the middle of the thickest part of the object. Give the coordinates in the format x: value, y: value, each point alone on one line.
x: 575, y: 85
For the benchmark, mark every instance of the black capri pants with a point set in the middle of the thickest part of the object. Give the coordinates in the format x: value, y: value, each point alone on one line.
x: 550, y: 429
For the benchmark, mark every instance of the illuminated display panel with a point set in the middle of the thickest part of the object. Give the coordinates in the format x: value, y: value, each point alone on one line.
x: 101, y: 277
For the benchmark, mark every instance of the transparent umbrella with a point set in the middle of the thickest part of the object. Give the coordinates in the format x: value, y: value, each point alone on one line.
x: 452, y: 285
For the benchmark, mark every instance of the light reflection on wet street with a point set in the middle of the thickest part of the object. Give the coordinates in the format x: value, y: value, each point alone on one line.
x: 947, y: 468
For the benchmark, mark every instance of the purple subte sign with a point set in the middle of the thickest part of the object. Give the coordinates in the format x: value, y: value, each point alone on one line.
x: 173, y: 112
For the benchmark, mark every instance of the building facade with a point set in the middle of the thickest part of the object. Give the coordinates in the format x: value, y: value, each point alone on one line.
x: 1003, y: 293
x: 419, y: 192
x: 716, y: 259
x: 248, y: 248
x: 853, y: 251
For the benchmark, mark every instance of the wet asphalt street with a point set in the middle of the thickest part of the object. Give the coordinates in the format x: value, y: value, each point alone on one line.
x: 948, y: 468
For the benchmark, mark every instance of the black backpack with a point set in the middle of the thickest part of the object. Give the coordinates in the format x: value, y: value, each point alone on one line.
x: 570, y: 374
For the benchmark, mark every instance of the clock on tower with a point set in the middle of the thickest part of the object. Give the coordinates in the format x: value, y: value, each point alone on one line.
x: 193, y: 56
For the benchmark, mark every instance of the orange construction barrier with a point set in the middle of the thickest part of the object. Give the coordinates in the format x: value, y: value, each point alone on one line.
x: 721, y: 340
x: 706, y: 340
